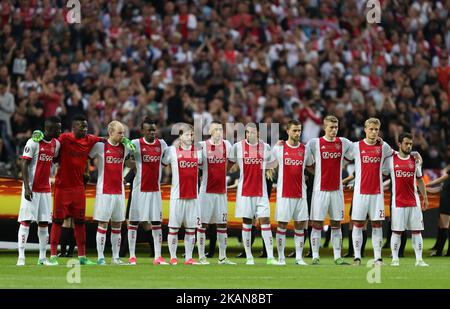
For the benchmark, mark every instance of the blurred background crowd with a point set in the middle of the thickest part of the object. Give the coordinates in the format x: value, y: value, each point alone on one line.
x: 228, y: 60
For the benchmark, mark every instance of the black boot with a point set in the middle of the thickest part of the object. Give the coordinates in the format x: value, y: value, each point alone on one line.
x: 440, y: 242
x: 350, y: 252
x: 401, y: 250
x: 363, y: 245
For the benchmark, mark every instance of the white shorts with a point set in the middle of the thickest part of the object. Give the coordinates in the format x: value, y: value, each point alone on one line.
x: 39, y: 209
x: 184, y: 212
x: 368, y: 204
x: 213, y: 208
x: 291, y: 209
x: 406, y: 218
x: 252, y: 207
x: 331, y: 202
x: 145, y: 206
x: 109, y: 207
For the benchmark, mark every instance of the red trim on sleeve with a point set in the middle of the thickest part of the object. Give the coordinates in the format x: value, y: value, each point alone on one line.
x: 26, y: 158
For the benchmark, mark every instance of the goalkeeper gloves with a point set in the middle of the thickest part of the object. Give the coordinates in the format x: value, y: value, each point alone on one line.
x: 37, y: 136
x: 127, y: 143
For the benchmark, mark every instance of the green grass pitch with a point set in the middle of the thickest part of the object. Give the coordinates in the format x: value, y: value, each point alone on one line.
x: 146, y: 275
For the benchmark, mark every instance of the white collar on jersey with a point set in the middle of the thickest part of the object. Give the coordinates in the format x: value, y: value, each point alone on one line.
x: 109, y: 142
x: 328, y: 139
x: 148, y: 142
x: 181, y: 146
x: 404, y: 159
x: 211, y: 142
x: 290, y: 146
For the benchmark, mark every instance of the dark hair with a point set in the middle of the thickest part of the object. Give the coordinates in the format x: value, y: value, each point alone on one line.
x: 405, y: 135
x: 293, y: 122
x: 79, y: 117
x: 148, y: 121
x: 53, y: 120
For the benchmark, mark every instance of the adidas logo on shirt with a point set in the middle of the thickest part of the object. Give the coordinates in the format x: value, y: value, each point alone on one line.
x: 396, y: 165
x: 108, y: 151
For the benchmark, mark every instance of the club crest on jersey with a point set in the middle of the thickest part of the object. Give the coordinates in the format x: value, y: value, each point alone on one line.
x: 410, y: 165
x: 157, y: 149
x: 338, y: 146
x: 378, y: 150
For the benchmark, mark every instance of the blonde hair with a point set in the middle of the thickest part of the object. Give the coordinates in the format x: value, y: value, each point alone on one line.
x: 370, y: 121
x: 113, y: 125
x: 330, y: 118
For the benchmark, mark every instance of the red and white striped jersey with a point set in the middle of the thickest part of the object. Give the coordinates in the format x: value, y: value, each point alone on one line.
x: 110, y: 160
x: 328, y: 158
x: 148, y: 164
x: 252, y: 161
x: 184, y: 164
x: 215, y: 166
x: 403, y: 178
x: 41, y: 155
x: 368, y: 163
x: 291, y: 168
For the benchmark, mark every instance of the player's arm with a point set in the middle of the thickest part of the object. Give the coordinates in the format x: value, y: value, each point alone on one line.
x: 349, y: 178
x: 309, y: 157
x: 26, y: 177
x: 423, y: 191
x: 438, y: 180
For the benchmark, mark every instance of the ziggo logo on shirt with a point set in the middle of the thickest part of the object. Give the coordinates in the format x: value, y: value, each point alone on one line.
x: 216, y: 160
x: 44, y: 157
x: 331, y: 155
x: 401, y: 174
x: 253, y: 161
x: 185, y: 164
x: 367, y: 159
x: 289, y: 161
x: 148, y: 158
x: 112, y: 160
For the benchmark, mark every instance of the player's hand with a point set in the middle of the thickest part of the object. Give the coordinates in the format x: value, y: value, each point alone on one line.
x: 269, y: 174
x: 379, y: 140
x: 37, y: 136
x: 127, y: 143
x: 425, y: 204
x: 350, y: 186
x: 28, y: 194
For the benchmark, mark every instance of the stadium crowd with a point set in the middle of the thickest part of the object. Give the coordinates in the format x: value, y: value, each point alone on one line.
x: 228, y: 60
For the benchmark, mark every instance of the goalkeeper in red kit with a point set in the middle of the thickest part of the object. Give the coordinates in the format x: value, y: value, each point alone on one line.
x: 70, y: 197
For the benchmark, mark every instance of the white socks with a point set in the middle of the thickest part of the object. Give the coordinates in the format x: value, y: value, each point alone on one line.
x: 266, y: 233
x: 395, y: 245
x: 157, y: 240
x: 189, y: 243
x: 247, y: 239
x: 116, y: 238
x: 222, y: 238
x: 132, y: 235
x: 357, y: 237
x: 43, y: 240
x: 316, y: 234
x: 377, y: 242
x: 336, y: 239
x: 299, y: 240
x: 172, y: 240
x: 417, y: 243
x: 281, y: 242
x: 22, y: 238
x: 101, y: 241
x: 201, y: 238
